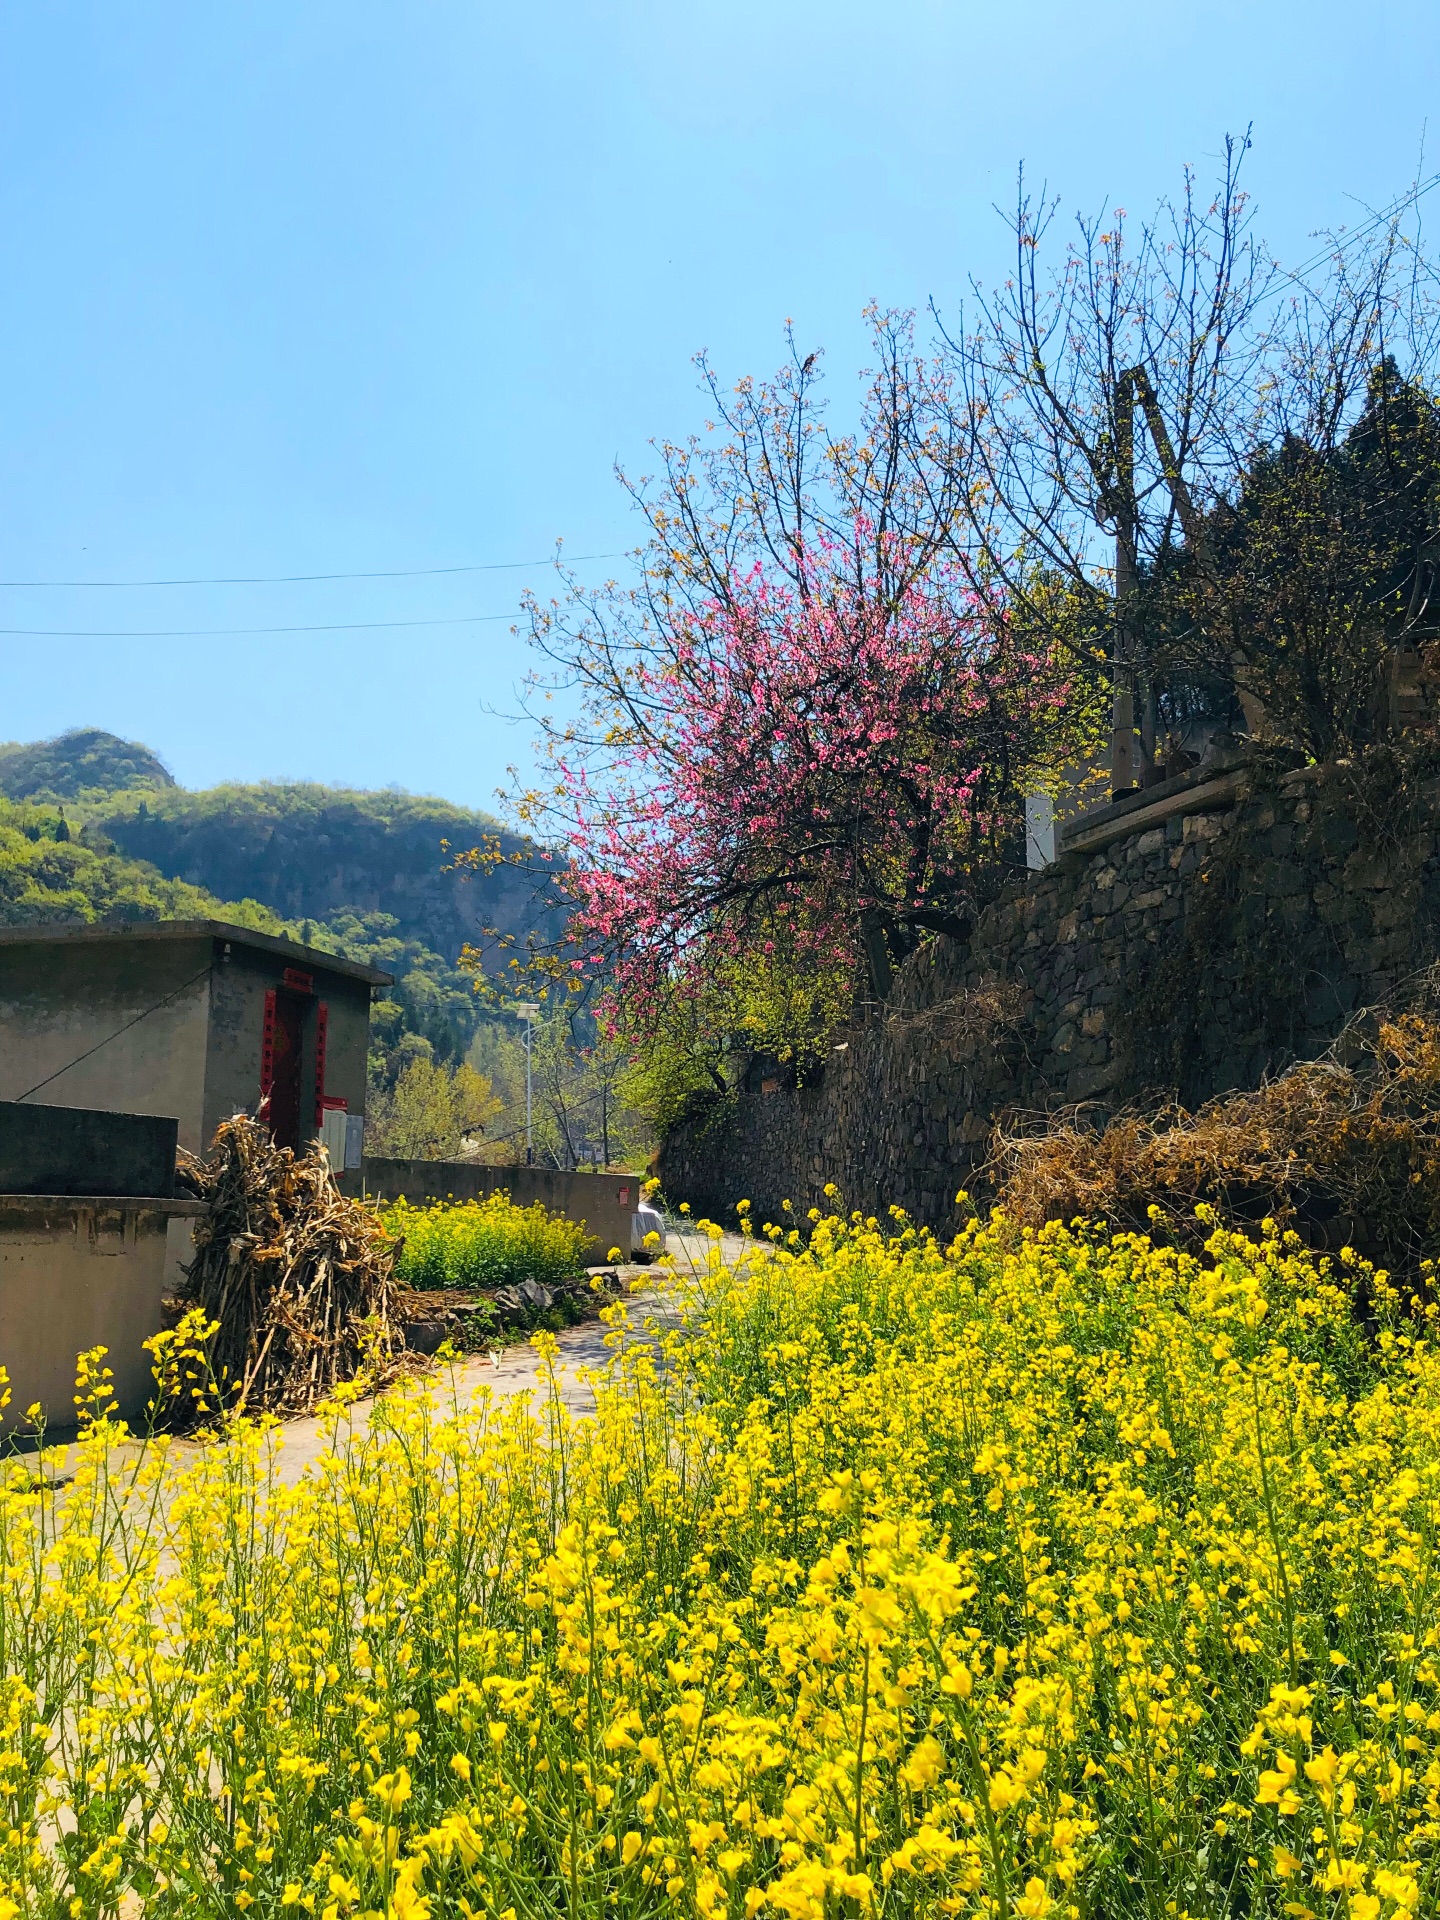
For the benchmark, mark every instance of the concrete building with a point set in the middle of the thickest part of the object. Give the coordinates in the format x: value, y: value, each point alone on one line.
x: 188, y: 1018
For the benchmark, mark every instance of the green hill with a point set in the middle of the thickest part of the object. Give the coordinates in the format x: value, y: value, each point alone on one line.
x: 312, y: 852
x: 81, y: 765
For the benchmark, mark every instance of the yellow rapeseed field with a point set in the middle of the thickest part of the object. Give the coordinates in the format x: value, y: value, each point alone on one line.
x: 1040, y: 1575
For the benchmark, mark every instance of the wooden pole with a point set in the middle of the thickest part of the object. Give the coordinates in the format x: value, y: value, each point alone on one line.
x: 1122, y: 730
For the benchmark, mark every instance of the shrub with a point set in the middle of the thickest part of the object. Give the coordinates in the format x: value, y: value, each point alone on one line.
x: 1043, y: 1577
x: 485, y: 1243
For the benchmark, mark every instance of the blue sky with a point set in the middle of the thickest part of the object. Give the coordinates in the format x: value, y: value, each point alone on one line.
x: 328, y: 286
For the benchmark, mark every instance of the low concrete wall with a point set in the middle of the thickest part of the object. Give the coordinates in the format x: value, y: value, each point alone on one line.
x: 77, y: 1150
x: 603, y: 1202
x: 78, y: 1272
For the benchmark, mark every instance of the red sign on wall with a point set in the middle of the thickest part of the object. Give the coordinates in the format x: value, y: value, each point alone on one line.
x: 267, y: 1055
x: 322, y: 1028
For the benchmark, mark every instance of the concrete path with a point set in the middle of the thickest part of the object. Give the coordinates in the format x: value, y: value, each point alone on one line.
x: 519, y: 1369
x: 303, y: 1441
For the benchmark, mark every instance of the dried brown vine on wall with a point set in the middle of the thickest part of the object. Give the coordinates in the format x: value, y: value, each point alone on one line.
x: 989, y: 1011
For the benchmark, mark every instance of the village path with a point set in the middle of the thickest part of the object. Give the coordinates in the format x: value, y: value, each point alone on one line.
x: 301, y: 1443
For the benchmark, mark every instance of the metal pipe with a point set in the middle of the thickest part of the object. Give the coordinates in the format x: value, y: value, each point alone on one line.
x: 527, y: 1010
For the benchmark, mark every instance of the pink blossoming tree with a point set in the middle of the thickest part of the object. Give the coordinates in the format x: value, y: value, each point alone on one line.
x: 823, y: 768
x: 802, y: 740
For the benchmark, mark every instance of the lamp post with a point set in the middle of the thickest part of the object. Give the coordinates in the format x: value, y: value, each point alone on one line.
x: 527, y: 1010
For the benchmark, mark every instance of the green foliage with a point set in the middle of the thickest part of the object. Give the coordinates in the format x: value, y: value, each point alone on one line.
x: 582, y: 1114
x: 48, y: 875
x: 1325, y: 564
x: 485, y: 1243
x: 430, y: 1113
x: 85, y: 764
x: 697, y: 1044
x: 432, y: 1011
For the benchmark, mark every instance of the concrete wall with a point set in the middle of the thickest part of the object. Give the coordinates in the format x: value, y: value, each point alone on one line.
x: 1183, y: 957
x: 58, y: 999
x: 74, y: 1277
x: 604, y: 1202
x: 77, y: 1151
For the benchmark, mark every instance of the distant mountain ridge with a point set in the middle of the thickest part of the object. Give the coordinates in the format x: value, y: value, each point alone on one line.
x: 311, y: 852
x: 306, y: 851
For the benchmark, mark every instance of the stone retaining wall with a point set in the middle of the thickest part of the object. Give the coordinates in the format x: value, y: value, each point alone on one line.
x: 1188, y: 959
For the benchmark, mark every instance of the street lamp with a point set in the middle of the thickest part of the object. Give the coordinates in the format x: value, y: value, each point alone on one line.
x: 527, y: 1010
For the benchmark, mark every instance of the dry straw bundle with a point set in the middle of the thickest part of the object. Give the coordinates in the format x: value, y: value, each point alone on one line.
x: 299, y: 1279
x: 1345, y: 1149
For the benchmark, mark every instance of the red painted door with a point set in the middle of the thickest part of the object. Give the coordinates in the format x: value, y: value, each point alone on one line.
x: 285, y: 1056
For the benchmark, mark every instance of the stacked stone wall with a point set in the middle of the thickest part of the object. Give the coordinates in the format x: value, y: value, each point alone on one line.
x: 1189, y: 959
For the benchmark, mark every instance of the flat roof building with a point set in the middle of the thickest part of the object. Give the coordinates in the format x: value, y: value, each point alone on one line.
x: 194, y: 1019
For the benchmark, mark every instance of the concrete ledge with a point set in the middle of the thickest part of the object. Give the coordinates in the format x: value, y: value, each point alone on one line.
x: 32, y: 1203
x: 46, y: 1149
x: 1091, y: 831
x: 76, y: 1272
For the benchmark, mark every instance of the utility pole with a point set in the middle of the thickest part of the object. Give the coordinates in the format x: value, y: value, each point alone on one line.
x: 527, y: 1010
x: 1122, y: 728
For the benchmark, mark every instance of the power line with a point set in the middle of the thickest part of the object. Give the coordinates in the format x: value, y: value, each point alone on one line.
x: 1406, y: 199
x: 290, y: 579
x: 217, y: 633
x: 175, y: 995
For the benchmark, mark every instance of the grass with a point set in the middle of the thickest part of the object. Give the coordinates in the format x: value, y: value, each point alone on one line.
x: 485, y: 1243
x: 1040, y: 1575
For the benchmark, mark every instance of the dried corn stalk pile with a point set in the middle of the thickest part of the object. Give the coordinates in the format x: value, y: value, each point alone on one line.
x: 300, y: 1279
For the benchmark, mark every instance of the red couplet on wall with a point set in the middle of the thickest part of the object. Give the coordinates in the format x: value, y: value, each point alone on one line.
x: 322, y: 1024
x: 267, y: 1055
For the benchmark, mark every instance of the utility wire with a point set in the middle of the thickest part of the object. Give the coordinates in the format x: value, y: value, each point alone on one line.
x: 184, y: 985
x: 215, y: 633
x: 288, y: 579
x: 1346, y: 241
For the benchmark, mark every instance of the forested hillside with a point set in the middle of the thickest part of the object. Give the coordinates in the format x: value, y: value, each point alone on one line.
x: 46, y: 873
x: 312, y: 853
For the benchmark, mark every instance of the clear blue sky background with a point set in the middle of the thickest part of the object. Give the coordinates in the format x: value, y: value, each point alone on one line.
x: 352, y: 284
